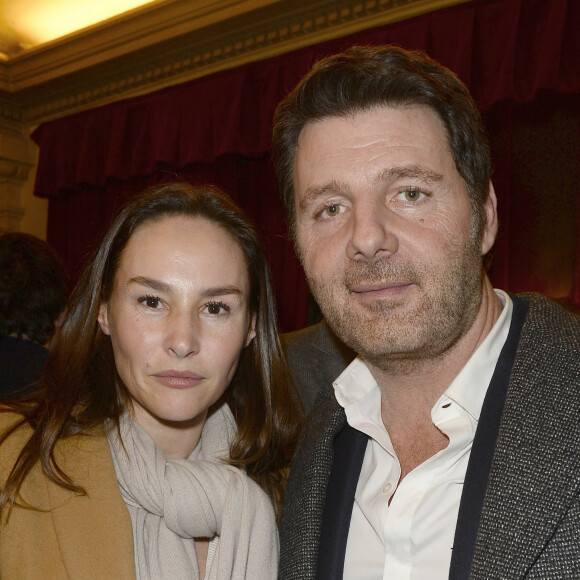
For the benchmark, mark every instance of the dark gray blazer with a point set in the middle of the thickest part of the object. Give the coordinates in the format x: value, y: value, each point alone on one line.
x: 316, y: 357
x: 528, y: 524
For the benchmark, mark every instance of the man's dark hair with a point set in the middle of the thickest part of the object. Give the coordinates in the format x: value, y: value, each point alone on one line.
x: 365, y: 77
x: 33, y: 287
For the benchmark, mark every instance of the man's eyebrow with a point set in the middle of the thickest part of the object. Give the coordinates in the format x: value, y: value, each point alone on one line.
x: 159, y: 286
x: 315, y: 191
x: 409, y: 172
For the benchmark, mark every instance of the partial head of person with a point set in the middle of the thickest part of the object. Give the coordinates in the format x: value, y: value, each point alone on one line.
x: 364, y: 78
x: 174, y: 313
x: 33, y: 287
x: 384, y: 170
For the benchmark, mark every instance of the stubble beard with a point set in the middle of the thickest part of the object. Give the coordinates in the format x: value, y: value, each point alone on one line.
x: 393, y: 334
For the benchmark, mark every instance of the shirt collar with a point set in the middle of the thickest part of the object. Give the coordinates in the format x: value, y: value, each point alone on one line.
x: 469, y: 387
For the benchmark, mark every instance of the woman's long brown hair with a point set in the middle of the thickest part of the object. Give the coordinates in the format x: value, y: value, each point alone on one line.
x: 80, y: 387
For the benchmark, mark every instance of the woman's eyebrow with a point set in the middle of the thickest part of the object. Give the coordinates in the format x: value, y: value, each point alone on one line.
x: 221, y: 291
x: 160, y: 286
x: 150, y: 283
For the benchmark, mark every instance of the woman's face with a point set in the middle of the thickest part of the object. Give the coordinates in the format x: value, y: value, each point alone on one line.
x: 178, y: 318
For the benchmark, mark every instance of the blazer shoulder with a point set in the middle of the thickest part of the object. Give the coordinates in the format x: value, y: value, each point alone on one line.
x: 550, y: 327
x: 315, y: 357
x: 316, y: 340
x: 310, y: 335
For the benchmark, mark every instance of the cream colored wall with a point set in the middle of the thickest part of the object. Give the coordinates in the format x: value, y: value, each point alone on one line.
x: 35, y: 218
x: 20, y: 210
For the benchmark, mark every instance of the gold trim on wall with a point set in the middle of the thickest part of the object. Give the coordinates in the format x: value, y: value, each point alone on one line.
x: 175, y: 41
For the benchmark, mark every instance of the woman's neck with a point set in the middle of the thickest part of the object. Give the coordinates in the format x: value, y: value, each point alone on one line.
x: 177, y: 439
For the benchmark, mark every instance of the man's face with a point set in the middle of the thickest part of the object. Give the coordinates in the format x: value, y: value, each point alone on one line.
x: 385, y: 232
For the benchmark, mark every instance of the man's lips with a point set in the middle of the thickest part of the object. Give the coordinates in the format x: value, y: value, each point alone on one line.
x: 178, y: 379
x: 379, y: 289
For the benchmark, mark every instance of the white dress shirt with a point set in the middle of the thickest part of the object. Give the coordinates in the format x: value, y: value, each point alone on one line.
x: 412, y: 537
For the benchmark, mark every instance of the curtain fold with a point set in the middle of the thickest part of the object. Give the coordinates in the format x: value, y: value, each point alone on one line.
x: 506, y: 51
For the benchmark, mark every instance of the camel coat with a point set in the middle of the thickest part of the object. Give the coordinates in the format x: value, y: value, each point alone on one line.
x: 77, y: 537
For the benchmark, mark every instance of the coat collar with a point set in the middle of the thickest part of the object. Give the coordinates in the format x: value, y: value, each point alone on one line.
x: 94, y: 530
x: 482, y: 450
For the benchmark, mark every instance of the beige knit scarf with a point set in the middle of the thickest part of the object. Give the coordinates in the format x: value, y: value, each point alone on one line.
x: 173, y: 501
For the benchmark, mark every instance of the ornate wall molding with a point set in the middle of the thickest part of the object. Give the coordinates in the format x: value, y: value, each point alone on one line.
x: 176, y: 41
x: 10, y: 218
x: 14, y: 170
x: 10, y: 110
x: 13, y: 176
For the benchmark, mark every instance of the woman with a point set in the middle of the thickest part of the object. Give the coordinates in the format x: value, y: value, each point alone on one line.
x: 163, y: 429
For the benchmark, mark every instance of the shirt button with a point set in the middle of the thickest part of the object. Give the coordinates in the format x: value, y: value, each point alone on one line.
x: 388, y: 488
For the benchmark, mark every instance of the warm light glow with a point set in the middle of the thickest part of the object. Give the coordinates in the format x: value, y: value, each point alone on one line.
x: 40, y: 21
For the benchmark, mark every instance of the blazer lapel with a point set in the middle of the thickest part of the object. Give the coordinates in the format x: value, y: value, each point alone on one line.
x: 534, y: 474
x: 319, y: 358
x: 300, y: 527
x: 481, y: 455
x: 349, y: 451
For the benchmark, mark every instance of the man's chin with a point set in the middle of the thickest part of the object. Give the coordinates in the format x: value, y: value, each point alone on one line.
x: 379, y: 330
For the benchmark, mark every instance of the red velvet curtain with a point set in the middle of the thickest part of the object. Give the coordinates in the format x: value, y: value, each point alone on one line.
x: 518, y: 57
x: 536, y: 147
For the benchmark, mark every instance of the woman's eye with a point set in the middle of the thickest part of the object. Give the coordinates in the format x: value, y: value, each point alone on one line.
x: 411, y: 194
x: 216, y: 308
x: 150, y: 301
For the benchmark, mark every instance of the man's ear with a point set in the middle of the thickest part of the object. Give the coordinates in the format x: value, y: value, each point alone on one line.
x: 251, y: 330
x: 103, y: 318
x: 490, y: 224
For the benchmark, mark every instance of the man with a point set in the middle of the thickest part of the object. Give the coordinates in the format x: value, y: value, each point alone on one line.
x: 448, y: 448
x: 33, y: 295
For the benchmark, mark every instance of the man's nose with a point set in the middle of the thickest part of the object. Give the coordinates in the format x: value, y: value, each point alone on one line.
x: 372, y: 232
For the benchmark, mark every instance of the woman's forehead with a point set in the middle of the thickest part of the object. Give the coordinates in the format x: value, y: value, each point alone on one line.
x: 183, y: 246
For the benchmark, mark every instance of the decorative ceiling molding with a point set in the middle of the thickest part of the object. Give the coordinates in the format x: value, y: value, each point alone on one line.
x: 127, y: 33
x: 176, y: 41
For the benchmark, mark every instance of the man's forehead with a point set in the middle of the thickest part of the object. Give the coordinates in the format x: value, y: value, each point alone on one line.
x: 351, y: 115
x: 361, y: 134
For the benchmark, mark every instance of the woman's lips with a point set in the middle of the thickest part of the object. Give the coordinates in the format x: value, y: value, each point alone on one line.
x: 178, y: 379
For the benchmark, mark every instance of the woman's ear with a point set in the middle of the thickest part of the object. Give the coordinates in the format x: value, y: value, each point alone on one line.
x: 103, y: 318
x: 251, y: 330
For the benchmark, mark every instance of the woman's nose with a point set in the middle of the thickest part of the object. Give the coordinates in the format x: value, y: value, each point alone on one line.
x: 182, y: 337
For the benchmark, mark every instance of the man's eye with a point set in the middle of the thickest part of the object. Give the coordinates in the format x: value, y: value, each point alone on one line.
x: 412, y: 194
x: 332, y: 210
